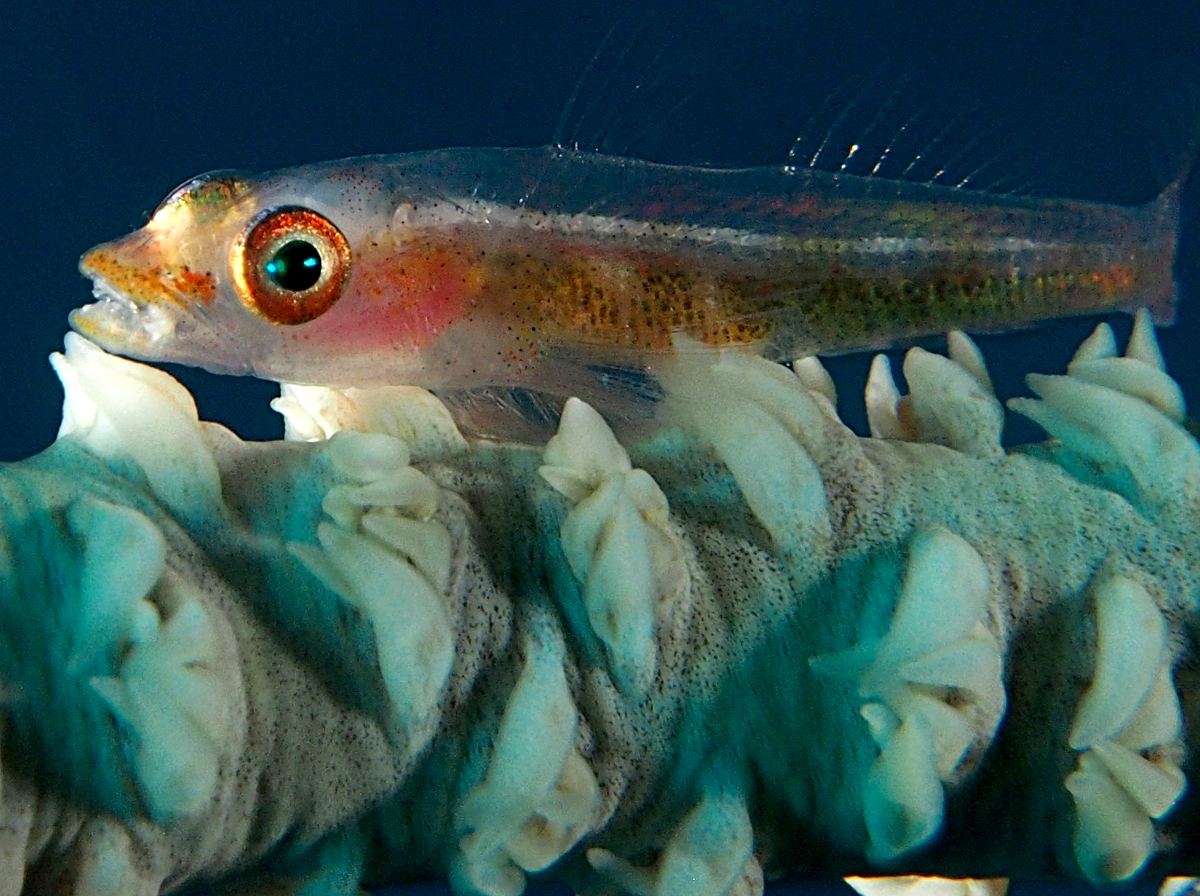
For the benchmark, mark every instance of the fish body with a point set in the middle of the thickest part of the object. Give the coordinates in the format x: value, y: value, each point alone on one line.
x: 549, y: 270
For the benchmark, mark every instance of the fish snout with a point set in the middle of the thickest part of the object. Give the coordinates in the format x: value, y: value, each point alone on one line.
x: 140, y: 296
x: 137, y: 268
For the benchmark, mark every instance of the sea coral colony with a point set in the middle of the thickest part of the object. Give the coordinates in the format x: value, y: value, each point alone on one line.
x: 755, y: 642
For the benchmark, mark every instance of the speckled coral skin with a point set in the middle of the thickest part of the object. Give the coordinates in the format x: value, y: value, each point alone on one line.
x: 317, y: 783
x: 273, y: 766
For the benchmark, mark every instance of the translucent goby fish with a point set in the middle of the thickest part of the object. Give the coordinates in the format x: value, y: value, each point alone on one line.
x: 558, y: 273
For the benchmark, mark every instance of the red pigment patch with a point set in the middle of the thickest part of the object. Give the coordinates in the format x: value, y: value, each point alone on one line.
x: 408, y: 296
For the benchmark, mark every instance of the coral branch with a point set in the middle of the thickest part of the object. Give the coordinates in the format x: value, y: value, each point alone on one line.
x: 755, y: 643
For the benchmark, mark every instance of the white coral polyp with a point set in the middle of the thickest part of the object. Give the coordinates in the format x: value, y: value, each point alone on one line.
x: 1127, y: 729
x: 172, y: 699
x: 123, y: 410
x: 380, y: 550
x: 616, y: 540
x: 935, y: 647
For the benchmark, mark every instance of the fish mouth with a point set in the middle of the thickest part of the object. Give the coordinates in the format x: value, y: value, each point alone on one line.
x: 143, y: 289
x: 118, y: 323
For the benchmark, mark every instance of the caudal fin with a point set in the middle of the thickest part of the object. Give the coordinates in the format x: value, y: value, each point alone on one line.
x: 1163, y: 239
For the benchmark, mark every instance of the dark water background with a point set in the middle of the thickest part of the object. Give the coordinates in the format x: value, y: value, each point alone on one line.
x: 105, y: 107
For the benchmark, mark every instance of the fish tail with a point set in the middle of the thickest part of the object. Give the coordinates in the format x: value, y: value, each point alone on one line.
x: 1166, y: 226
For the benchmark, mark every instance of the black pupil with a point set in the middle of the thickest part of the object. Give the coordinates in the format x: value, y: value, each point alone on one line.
x: 295, y: 266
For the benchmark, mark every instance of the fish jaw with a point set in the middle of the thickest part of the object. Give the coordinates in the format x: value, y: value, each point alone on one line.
x: 137, y: 306
x: 145, y: 293
x: 119, y: 324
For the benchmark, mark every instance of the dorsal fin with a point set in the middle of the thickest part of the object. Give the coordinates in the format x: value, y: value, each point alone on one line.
x: 674, y: 91
x: 629, y: 88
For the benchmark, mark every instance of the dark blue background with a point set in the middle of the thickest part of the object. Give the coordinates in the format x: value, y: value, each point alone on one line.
x: 104, y: 108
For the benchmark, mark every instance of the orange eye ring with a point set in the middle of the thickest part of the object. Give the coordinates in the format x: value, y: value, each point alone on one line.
x: 291, y: 265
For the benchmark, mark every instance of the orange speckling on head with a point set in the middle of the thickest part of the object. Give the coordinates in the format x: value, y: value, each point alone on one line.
x: 177, y: 284
x: 193, y: 284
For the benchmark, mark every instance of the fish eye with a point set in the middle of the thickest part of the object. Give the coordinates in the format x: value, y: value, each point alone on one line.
x: 295, y: 267
x: 291, y: 265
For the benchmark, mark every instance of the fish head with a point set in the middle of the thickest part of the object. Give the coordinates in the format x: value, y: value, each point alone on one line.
x: 273, y: 275
x: 160, y: 290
